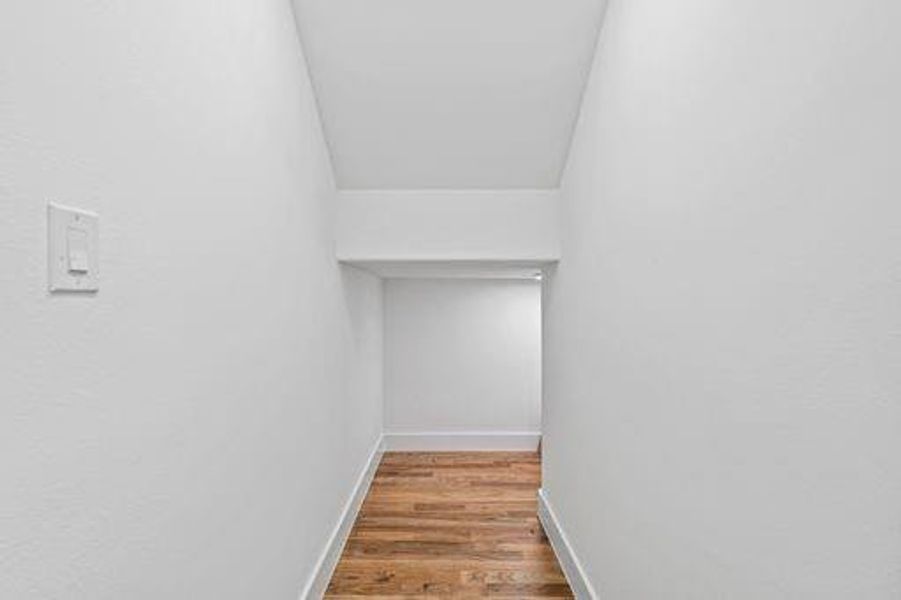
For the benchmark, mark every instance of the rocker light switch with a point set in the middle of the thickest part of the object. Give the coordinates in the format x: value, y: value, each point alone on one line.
x: 73, y: 249
x: 78, y: 250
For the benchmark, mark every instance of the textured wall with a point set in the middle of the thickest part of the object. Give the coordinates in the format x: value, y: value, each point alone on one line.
x: 165, y: 438
x: 723, y: 335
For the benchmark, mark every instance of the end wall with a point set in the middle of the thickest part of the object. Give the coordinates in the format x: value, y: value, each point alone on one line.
x: 463, y: 357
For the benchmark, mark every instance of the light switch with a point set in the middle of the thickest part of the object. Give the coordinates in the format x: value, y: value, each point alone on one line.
x: 73, y: 249
x: 78, y: 250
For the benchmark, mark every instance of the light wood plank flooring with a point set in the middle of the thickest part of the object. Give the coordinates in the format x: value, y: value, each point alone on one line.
x: 450, y: 525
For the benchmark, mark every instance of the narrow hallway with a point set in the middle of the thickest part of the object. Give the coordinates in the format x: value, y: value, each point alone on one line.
x: 306, y: 299
x: 451, y: 524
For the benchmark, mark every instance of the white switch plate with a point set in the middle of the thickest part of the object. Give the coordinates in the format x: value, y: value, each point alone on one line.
x: 74, y: 261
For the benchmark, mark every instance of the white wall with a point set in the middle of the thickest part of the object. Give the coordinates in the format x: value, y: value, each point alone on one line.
x: 165, y: 438
x: 462, y: 356
x: 502, y: 225
x: 723, y: 393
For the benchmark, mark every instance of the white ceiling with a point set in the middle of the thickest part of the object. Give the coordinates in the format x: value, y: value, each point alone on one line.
x: 448, y: 94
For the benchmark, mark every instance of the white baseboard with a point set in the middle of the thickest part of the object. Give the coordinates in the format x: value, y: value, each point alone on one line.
x: 464, y: 441
x: 322, y: 574
x: 569, y: 562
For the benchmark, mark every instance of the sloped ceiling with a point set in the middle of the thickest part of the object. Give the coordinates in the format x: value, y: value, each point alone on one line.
x: 451, y: 94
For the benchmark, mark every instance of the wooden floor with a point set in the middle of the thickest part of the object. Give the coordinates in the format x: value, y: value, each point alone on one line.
x: 450, y: 525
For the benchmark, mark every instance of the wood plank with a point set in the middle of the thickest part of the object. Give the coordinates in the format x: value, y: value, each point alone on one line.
x: 450, y: 524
